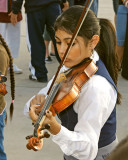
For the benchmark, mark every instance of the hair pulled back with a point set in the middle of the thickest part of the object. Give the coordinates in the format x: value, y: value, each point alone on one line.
x: 91, y: 26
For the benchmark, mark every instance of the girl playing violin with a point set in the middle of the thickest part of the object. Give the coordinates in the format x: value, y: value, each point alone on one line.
x: 88, y: 126
x: 5, y: 62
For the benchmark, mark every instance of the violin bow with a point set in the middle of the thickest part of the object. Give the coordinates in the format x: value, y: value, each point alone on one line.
x: 77, y: 29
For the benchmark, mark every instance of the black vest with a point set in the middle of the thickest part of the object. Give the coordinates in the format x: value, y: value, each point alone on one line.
x: 69, y: 117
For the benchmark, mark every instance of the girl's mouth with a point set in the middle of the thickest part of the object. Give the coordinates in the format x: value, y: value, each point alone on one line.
x: 66, y: 60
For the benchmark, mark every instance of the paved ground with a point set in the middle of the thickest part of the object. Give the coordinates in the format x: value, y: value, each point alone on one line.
x: 20, y: 127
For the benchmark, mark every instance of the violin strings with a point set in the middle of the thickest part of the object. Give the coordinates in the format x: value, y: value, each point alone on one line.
x: 48, y: 100
x: 45, y: 106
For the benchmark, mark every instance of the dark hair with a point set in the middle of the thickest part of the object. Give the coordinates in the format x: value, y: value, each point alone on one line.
x: 68, y: 20
x: 12, y: 79
x: 106, y: 49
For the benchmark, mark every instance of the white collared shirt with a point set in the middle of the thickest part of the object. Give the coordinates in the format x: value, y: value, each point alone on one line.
x: 93, y: 106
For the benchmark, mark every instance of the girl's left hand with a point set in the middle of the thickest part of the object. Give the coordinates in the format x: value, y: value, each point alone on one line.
x: 54, y: 125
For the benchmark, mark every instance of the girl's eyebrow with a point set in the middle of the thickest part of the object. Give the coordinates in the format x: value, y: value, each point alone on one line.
x: 68, y: 38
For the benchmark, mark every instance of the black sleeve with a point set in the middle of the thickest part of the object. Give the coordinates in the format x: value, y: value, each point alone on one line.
x: 115, y: 5
x: 64, y: 1
x: 16, y: 6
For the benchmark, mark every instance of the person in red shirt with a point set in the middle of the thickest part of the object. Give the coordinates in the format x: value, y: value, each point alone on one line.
x: 11, y: 33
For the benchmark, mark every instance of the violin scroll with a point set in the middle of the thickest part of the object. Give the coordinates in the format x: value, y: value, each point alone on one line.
x: 3, y: 90
x: 36, y: 143
x: 2, y: 78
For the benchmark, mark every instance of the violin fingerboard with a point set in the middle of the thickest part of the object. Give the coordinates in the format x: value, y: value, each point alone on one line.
x: 48, y: 102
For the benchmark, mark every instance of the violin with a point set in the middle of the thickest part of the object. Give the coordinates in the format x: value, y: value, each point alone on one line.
x: 64, y: 92
x: 3, y: 90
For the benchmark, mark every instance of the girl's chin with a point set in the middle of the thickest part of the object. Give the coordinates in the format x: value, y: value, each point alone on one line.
x: 68, y: 65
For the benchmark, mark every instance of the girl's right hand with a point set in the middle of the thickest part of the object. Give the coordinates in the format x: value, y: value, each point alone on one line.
x: 55, y: 127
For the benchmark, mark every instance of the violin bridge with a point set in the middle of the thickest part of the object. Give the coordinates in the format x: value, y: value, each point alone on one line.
x: 60, y: 77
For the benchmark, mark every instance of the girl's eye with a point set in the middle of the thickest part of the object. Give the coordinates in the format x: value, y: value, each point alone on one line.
x: 58, y: 42
x: 72, y: 44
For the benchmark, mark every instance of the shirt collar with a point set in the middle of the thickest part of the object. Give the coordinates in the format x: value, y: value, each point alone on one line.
x: 95, y: 56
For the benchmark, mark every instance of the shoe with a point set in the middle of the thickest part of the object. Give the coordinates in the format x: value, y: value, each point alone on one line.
x: 17, y: 70
x: 43, y: 80
x: 48, y: 59
x: 52, y: 54
x: 34, y: 78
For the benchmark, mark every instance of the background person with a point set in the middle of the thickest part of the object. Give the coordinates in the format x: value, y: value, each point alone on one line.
x: 5, y: 62
x: 39, y: 13
x: 11, y: 33
x: 122, y: 42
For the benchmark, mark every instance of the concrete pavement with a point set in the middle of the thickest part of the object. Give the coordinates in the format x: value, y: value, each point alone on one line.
x: 20, y: 127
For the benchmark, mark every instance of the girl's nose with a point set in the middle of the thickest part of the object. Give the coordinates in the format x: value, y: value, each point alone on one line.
x: 62, y: 49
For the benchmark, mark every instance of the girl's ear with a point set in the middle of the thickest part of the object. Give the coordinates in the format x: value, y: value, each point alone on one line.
x: 94, y: 41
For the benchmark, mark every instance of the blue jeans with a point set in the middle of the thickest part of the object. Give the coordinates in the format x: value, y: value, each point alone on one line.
x: 71, y: 2
x: 2, y: 125
x: 121, y: 24
x: 94, y: 6
x: 46, y: 35
x: 36, y: 22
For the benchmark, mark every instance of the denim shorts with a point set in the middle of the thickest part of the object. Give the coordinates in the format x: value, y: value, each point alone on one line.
x: 2, y: 125
x: 121, y: 24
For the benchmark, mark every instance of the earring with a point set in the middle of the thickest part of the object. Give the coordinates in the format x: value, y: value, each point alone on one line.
x: 92, y: 55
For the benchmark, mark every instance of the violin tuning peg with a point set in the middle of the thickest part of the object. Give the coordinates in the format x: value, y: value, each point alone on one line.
x: 42, y: 128
x: 46, y: 135
x: 4, y: 79
x: 47, y: 126
x: 28, y: 137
